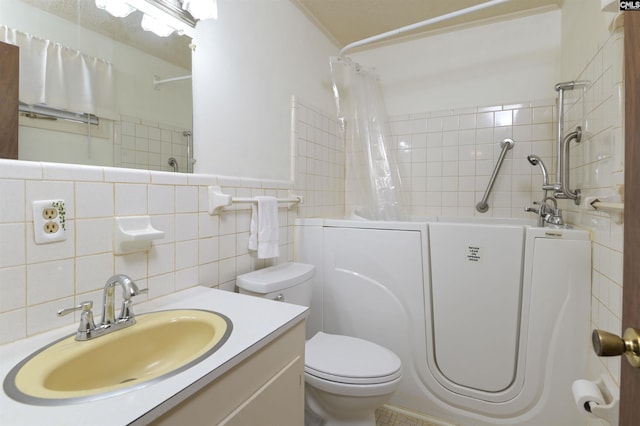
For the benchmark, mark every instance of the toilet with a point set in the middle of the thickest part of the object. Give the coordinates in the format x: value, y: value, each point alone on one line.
x: 346, y: 378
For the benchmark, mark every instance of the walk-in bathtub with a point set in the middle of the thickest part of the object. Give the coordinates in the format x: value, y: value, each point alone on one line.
x: 489, y: 317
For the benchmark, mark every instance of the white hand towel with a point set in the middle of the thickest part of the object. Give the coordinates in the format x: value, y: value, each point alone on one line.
x: 264, y: 232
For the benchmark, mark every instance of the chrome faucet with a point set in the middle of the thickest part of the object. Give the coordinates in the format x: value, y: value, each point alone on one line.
x: 109, y: 323
x: 129, y: 289
x: 537, y: 161
x: 550, y: 215
x: 546, y: 213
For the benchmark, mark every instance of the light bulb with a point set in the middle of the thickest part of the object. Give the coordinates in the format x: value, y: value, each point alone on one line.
x: 159, y: 28
x: 201, y: 9
x: 117, y: 8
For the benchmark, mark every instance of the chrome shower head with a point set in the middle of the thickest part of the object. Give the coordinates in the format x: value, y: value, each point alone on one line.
x: 537, y: 161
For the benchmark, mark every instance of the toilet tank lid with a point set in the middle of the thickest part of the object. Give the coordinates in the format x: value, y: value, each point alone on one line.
x: 276, y: 277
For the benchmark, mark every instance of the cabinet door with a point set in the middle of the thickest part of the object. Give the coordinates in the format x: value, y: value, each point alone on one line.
x: 279, y: 402
x: 9, y: 75
x: 269, y: 385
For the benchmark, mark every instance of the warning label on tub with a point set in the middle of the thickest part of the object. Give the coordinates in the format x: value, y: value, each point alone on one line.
x: 473, y: 254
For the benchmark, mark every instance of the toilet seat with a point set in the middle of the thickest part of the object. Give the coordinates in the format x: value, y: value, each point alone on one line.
x: 350, y: 361
x: 352, y: 390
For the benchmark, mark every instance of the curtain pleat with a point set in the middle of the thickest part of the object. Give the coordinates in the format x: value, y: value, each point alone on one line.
x: 60, y: 77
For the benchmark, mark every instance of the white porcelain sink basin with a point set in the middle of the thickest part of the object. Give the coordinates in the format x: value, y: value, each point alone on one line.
x: 158, y: 346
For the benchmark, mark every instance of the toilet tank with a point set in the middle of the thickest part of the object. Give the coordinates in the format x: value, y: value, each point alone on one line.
x: 286, y: 282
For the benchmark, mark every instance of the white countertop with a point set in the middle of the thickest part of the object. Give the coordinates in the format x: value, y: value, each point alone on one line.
x: 256, y: 322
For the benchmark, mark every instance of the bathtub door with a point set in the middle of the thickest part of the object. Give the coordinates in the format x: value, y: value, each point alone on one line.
x: 476, y: 288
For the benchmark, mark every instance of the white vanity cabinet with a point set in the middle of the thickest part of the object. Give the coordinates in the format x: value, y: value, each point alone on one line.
x: 265, y: 389
x: 255, y: 378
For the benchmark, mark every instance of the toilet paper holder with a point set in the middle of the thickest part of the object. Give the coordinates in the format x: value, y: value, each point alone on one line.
x: 598, y: 398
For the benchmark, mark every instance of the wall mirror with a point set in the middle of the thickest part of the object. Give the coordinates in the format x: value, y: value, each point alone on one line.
x: 151, y: 127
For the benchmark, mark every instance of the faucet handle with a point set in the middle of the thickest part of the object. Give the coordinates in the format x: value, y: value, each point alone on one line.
x: 126, y: 313
x: 83, y: 306
x: 87, y: 325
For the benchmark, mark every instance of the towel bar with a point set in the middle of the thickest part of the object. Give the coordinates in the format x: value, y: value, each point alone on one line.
x: 615, y: 209
x: 297, y: 200
x: 218, y: 200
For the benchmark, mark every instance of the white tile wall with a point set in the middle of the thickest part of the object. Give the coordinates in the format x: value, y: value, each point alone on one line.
x: 198, y: 249
x: 597, y: 168
x: 319, y: 161
x: 142, y: 144
x: 446, y: 157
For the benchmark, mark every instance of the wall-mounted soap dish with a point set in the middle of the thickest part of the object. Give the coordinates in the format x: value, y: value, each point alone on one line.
x: 133, y: 234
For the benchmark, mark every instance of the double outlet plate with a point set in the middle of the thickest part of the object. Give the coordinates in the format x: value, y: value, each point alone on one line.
x: 49, y: 223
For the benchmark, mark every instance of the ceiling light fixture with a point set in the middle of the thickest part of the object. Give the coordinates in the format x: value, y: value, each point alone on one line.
x: 201, y: 9
x: 170, y: 15
x: 156, y: 26
x: 118, y: 8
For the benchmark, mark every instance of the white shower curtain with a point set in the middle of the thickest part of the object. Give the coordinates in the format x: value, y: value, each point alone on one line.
x: 60, y: 77
x: 373, y: 185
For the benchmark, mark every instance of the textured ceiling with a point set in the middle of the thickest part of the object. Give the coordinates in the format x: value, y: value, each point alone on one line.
x: 346, y: 21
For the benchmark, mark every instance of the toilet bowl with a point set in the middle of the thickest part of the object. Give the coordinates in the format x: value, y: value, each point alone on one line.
x: 346, y: 378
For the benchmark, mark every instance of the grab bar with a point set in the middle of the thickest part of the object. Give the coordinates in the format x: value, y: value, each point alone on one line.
x: 563, y: 191
x: 506, y: 144
x: 187, y: 134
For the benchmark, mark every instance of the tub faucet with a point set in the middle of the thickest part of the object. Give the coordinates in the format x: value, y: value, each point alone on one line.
x: 550, y: 215
x: 547, y: 213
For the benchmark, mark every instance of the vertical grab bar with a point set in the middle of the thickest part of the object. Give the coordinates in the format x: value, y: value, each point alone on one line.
x: 506, y: 145
x: 187, y: 134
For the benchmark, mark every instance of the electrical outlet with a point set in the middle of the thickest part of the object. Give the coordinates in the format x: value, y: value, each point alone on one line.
x: 50, y: 213
x: 51, y: 227
x: 49, y: 221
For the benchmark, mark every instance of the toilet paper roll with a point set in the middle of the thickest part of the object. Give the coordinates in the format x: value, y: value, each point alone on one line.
x: 585, y: 393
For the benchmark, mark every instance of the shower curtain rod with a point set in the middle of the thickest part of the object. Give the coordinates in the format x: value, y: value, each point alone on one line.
x: 157, y: 82
x: 417, y: 25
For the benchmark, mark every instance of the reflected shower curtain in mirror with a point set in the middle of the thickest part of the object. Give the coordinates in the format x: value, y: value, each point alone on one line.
x: 60, y: 77
x: 373, y: 185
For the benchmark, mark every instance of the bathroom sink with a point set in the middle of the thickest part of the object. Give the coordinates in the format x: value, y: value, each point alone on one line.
x: 159, y: 345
